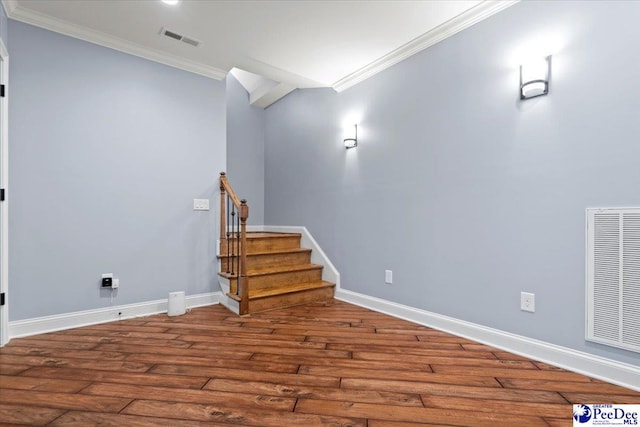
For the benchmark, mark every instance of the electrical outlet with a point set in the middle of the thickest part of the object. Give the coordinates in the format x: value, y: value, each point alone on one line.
x: 115, y: 283
x: 388, y: 277
x: 527, y: 302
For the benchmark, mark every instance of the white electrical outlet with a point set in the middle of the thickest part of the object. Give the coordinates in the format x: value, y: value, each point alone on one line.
x: 527, y: 302
x: 200, y: 204
x: 115, y: 284
x: 388, y: 277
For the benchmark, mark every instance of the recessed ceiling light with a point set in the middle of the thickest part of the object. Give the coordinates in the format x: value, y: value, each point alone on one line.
x: 171, y: 2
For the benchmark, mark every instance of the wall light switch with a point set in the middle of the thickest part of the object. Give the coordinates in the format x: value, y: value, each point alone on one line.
x: 388, y: 277
x: 200, y: 204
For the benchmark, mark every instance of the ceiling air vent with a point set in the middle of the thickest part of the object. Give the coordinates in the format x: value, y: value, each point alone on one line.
x: 192, y: 42
x: 179, y: 37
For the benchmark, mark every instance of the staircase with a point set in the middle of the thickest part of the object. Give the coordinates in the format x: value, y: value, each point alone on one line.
x: 262, y: 271
x: 279, y: 272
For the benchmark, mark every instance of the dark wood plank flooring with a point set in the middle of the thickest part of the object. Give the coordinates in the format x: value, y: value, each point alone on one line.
x: 329, y: 364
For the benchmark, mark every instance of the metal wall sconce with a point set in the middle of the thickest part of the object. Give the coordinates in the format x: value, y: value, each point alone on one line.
x: 352, y: 142
x: 534, y: 78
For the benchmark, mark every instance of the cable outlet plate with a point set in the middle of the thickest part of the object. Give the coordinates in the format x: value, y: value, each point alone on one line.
x: 527, y: 302
x: 107, y: 280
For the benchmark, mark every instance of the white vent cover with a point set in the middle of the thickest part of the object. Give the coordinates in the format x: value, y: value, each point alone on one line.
x: 179, y: 37
x: 613, y: 277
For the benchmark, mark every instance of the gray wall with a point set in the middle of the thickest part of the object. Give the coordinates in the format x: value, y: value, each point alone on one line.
x: 107, y: 152
x: 469, y: 195
x: 245, y: 149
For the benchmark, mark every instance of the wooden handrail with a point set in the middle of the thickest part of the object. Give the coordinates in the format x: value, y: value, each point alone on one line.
x: 230, y: 206
x: 224, y: 185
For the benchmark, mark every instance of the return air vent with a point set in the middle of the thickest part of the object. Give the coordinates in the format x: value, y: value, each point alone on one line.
x: 176, y: 36
x: 613, y: 277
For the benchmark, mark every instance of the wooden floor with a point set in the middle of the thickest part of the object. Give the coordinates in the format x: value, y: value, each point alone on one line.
x: 330, y: 364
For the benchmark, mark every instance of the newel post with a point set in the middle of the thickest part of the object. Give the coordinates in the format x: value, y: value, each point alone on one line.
x: 244, y: 280
x: 223, y: 209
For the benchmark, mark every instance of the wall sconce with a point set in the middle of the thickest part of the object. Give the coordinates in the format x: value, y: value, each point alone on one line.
x: 352, y: 142
x: 534, y: 78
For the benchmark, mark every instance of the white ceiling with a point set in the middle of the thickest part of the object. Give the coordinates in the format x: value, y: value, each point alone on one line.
x: 291, y: 44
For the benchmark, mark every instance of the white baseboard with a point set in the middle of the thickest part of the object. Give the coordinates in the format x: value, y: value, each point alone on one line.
x: 41, y: 325
x: 230, y: 303
x: 608, y: 370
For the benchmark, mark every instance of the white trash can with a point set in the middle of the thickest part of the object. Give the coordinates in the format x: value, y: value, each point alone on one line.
x: 177, y: 306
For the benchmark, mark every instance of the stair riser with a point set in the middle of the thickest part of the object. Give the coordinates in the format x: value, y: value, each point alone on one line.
x: 266, y: 244
x: 287, y: 300
x: 286, y: 278
x: 280, y: 279
x: 256, y: 262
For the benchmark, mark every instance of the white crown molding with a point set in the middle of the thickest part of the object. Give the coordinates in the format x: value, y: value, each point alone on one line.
x: 18, y: 13
x: 9, y: 6
x: 441, y: 32
x: 41, y: 325
x: 612, y: 371
x: 449, y: 28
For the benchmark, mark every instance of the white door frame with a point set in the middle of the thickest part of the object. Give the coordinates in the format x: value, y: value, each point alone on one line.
x: 4, y: 182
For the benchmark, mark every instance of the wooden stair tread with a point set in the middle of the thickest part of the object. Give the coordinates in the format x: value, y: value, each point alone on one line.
x: 269, y: 235
x: 275, y: 270
x: 258, y: 242
x: 274, y: 252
